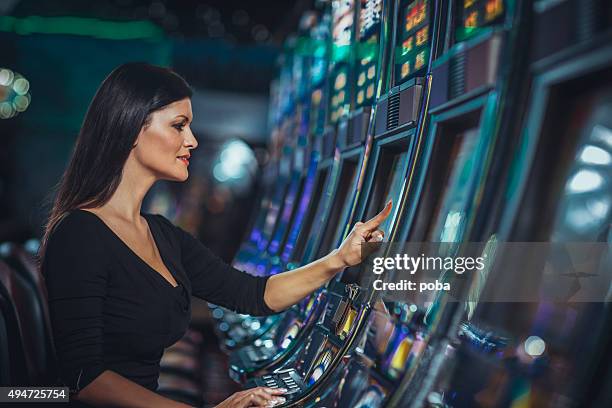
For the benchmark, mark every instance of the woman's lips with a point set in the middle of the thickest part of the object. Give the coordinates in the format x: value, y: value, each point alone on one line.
x: 184, y: 159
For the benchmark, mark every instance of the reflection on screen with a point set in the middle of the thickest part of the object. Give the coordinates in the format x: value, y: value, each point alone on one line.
x: 322, y: 363
x: 290, y: 334
x: 456, y: 193
x: 372, y: 397
x: 313, y: 209
x: 381, y: 329
x: 393, y: 190
x: 285, y: 215
x: 300, y: 211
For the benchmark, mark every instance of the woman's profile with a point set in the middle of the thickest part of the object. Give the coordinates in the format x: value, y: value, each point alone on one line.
x: 119, y: 281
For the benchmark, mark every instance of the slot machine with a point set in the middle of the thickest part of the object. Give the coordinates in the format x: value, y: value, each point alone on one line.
x: 342, y: 190
x: 474, y: 53
x: 269, y: 348
x: 236, y: 329
x: 369, y: 59
x: 391, y: 339
x: 345, y: 311
x: 532, y: 349
x: 397, y: 128
x: 269, y: 175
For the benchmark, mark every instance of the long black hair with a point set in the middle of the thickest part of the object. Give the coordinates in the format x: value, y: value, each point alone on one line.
x: 121, y: 107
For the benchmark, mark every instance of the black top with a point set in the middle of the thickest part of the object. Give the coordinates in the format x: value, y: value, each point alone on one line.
x: 110, y: 310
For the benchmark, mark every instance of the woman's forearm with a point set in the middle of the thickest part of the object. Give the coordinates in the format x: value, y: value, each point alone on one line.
x: 288, y: 288
x: 110, y: 389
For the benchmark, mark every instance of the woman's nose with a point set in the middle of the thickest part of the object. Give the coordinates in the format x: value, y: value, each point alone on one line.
x: 190, y: 140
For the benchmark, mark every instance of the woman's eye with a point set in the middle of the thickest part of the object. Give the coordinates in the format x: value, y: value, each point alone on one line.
x: 178, y: 127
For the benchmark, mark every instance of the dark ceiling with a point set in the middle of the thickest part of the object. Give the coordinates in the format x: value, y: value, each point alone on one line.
x: 236, y: 21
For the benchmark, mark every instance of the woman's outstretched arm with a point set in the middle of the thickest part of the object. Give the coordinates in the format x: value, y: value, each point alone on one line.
x: 288, y: 288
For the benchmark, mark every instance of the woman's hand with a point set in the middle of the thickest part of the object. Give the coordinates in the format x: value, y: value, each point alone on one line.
x: 363, y: 232
x: 255, y: 397
x: 285, y: 289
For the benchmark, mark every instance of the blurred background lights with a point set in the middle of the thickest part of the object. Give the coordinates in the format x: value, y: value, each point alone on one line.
x: 534, y: 346
x: 595, y: 155
x: 6, y: 77
x: 236, y: 165
x: 14, y: 96
x: 584, y: 181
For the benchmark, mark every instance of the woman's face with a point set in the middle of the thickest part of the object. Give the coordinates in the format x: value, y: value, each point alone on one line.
x: 163, y: 146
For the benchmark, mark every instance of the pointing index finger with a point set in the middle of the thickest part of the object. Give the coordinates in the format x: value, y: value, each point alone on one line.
x: 375, y: 221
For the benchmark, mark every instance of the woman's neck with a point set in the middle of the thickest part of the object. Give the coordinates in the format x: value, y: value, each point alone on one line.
x: 126, y: 201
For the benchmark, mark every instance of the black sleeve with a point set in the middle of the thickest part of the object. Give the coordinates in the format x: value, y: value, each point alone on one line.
x: 76, y: 279
x: 217, y: 282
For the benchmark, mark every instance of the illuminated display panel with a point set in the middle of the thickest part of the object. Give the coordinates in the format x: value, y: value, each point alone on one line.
x: 367, y: 54
x: 300, y: 213
x: 290, y: 335
x: 414, y: 39
x: 322, y: 363
x: 320, y: 37
x: 342, y: 32
x: 342, y: 35
x: 339, y: 103
x: 344, y: 328
x: 285, y: 216
x: 311, y: 213
x: 473, y: 15
x: 318, y: 108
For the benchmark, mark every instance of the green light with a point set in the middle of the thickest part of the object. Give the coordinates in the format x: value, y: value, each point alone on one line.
x: 111, y: 30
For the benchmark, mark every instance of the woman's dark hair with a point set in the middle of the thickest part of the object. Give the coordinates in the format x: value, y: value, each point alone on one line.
x: 121, y: 107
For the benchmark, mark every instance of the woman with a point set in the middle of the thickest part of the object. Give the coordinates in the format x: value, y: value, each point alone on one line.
x: 119, y: 281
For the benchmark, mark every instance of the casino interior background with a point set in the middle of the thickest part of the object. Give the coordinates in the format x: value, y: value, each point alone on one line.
x: 483, y: 120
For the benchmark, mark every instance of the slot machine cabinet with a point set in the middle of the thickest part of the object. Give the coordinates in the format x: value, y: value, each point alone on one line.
x: 557, y: 173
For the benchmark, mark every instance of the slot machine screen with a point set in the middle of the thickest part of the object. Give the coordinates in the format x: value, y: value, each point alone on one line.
x: 341, y: 198
x: 345, y: 326
x: 300, y: 212
x: 474, y: 15
x: 388, y: 184
x: 320, y: 37
x: 321, y: 363
x: 440, y: 215
x: 392, y: 191
x: 450, y: 219
x: 294, y: 191
x: 290, y: 334
x: 381, y: 329
x: 272, y: 215
x: 370, y: 15
x: 399, y: 352
x: 313, y: 210
x: 372, y: 397
x: 342, y: 37
x: 414, y: 40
